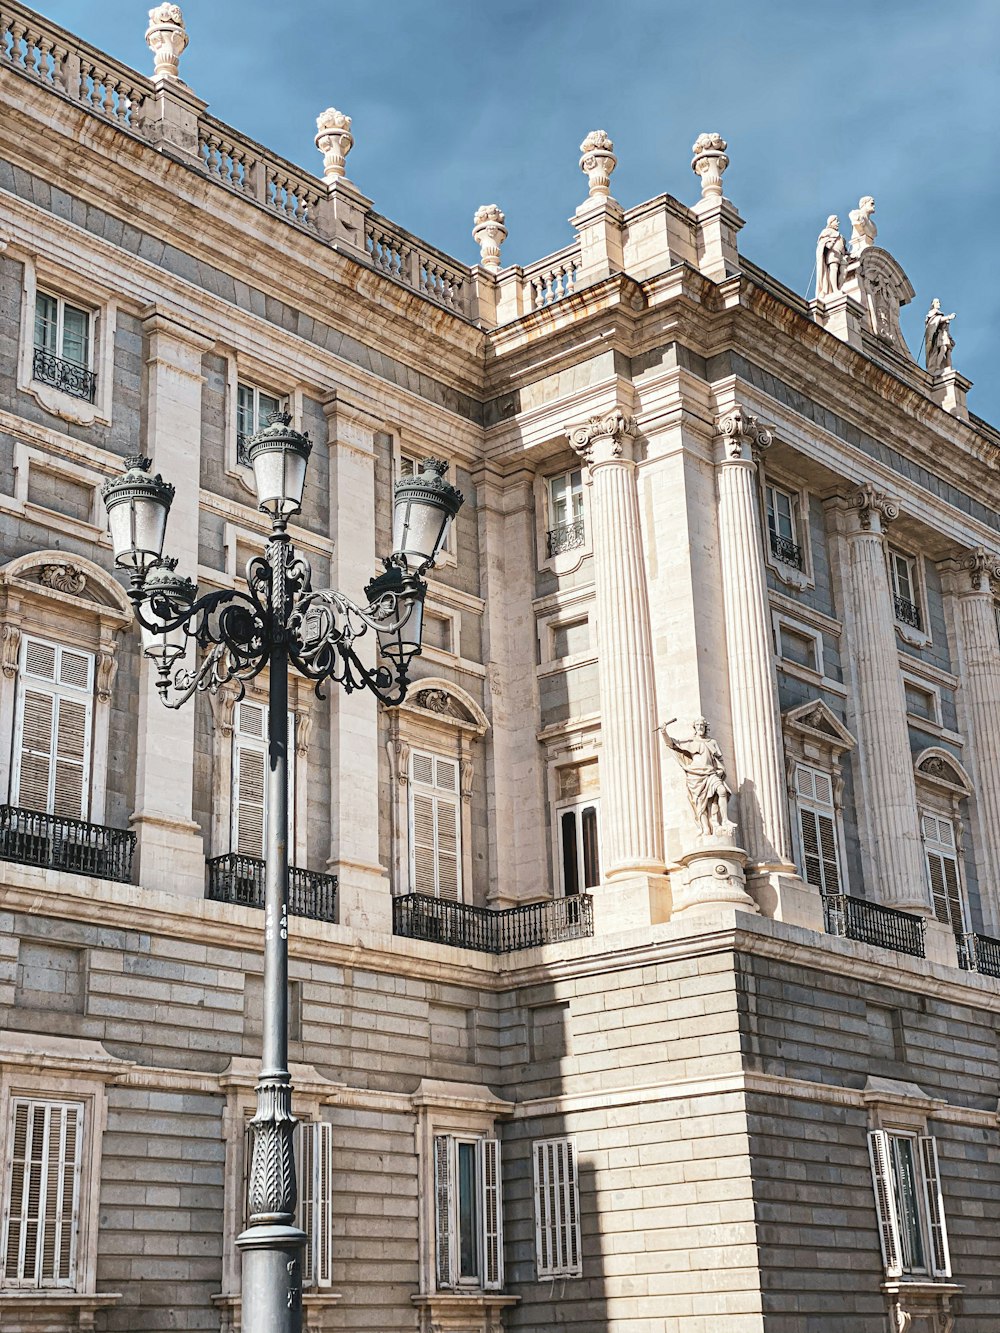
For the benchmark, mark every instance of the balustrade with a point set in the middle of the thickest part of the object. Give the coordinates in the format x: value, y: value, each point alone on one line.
x: 871, y: 923
x: 239, y: 880
x: 34, y: 838
x: 417, y: 916
x: 979, y: 953
x: 551, y: 279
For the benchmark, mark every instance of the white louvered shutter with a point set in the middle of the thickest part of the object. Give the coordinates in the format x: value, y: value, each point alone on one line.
x: 42, y: 1194
x: 940, y: 1254
x: 443, y: 1189
x: 885, y: 1202
x: 492, y: 1196
x: 557, y: 1209
x: 53, y: 734
x: 818, y: 830
x: 314, y: 1165
x: 250, y: 763
x: 942, y: 870
x: 435, y: 827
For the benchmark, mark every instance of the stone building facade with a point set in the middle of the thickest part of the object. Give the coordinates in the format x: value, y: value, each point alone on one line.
x: 588, y: 1030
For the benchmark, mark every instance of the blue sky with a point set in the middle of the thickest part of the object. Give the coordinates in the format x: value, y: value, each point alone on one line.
x: 461, y: 102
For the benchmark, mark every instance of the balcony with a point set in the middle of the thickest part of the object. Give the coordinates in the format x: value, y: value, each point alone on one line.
x: 73, y: 845
x: 566, y: 537
x: 885, y: 927
x: 979, y: 953
x: 787, y: 551
x: 67, y: 376
x: 907, y: 612
x: 419, y: 917
x: 240, y: 880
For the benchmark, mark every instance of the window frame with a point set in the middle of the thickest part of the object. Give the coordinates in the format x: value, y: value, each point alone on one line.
x: 247, y: 741
x: 925, y: 1216
x: 564, y: 562
x: 916, y: 635
x: 488, y: 1219
x: 555, y: 1198
x: 575, y: 501
x: 805, y: 804
x: 946, y: 851
x: 577, y: 807
x: 439, y: 795
x: 798, y: 496
x: 256, y: 390
x: 243, y: 369
x: 58, y: 691
x: 45, y: 1174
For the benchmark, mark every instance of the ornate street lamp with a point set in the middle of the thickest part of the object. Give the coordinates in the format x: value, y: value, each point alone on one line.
x: 279, y: 619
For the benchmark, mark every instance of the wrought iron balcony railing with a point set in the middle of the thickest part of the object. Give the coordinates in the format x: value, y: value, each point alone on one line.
x: 787, y: 551
x: 419, y: 917
x: 73, y: 845
x: 67, y: 376
x: 886, y: 927
x: 240, y: 880
x: 566, y: 537
x: 979, y: 953
x: 907, y: 612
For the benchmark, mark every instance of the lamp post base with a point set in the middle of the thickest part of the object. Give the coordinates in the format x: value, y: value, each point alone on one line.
x: 272, y: 1279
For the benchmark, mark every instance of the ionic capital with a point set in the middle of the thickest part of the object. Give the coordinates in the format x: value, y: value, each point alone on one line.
x: 983, y: 568
x: 602, y: 439
x: 744, y: 437
x: 872, y: 503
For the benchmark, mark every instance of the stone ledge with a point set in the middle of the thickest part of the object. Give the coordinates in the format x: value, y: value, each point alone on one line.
x: 52, y: 1311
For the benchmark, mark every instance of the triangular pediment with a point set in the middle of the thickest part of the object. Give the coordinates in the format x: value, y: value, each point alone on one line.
x: 817, y: 720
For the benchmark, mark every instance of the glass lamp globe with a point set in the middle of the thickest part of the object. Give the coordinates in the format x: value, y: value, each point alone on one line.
x: 423, y: 509
x: 278, y: 456
x: 137, y: 506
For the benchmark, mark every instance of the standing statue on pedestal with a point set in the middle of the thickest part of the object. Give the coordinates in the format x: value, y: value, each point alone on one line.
x: 938, y: 341
x: 863, y: 230
x: 705, y: 774
x: 831, y: 258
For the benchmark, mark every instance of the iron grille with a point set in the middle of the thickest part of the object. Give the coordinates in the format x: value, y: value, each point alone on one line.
x: 487, y: 930
x: 979, y: 953
x: 886, y: 927
x: 67, y: 376
x: 36, y: 839
x: 566, y: 537
x: 240, y: 880
x: 908, y: 612
x: 787, y: 551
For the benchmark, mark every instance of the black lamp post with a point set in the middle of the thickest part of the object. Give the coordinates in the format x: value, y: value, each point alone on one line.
x: 279, y: 619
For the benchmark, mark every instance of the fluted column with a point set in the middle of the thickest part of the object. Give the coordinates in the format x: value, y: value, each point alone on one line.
x: 889, y: 798
x: 631, y: 829
x: 753, y: 684
x: 970, y: 581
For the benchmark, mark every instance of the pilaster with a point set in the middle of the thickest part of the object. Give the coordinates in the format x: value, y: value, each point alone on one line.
x: 887, y: 799
x: 631, y: 827
x: 969, y: 582
x: 363, y: 892
x: 758, y: 751
x: 514, y: 773
x: 170, y: 848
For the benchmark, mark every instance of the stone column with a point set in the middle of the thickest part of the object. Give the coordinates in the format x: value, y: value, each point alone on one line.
x: 969, y: 581
x: 364, y: 893
x: 888, y: 797
x: 631, y: 827
x: 758, y: 751
x: 171, y: 851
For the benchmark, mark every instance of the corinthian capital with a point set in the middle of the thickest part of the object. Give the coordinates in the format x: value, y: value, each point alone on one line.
x: 602, y: 438
x: 868, y: 501
x: 983, y: 567
x: 744, y: 435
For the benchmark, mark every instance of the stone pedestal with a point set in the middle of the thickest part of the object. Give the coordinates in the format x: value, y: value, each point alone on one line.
x: 888, y: 798
x: 599, y: 226
x: 342, y: 217
x: 173, y: 123
x: 631, y: 829
x: 712, y: 876
x: 841, y: 315
x: 949, y: 390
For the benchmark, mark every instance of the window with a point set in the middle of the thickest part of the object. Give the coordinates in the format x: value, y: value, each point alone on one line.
x: 579, y: 851
x: 249, y: 803
x: 909, y: 1205
x: 557, y: 1209
x: 435, y: 821
x: 62, y: 349
x: 781, y: 527
x: 468, y: 1213
x: 943, y: 875
x: 314, y: 1188
x: 817, y: 829
x: 921, y: 703
x: 253, y: 408
x: 799, y: 646
x: 905, y: 597
x: 567, y: 529
x: 52, y: 740
x: 41, y: 1198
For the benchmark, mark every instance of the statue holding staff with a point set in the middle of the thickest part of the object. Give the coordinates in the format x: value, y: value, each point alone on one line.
x: 705, y: 774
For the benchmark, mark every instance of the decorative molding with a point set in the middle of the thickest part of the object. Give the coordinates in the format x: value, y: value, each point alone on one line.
x: 982, y: 565
x: 66, y: 577
x: 941, y: 767
x: 868, y: 501
x: 818, y: 721
x: 743, y: 433
x: 10, y: 649
x: 107, y: 670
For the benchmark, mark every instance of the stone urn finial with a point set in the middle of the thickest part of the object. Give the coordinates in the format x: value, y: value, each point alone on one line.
x: 598, y: 161
x: 489, y: 234
x: 709, y: 162
x: 166, y: 38
x: 334, y: 140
